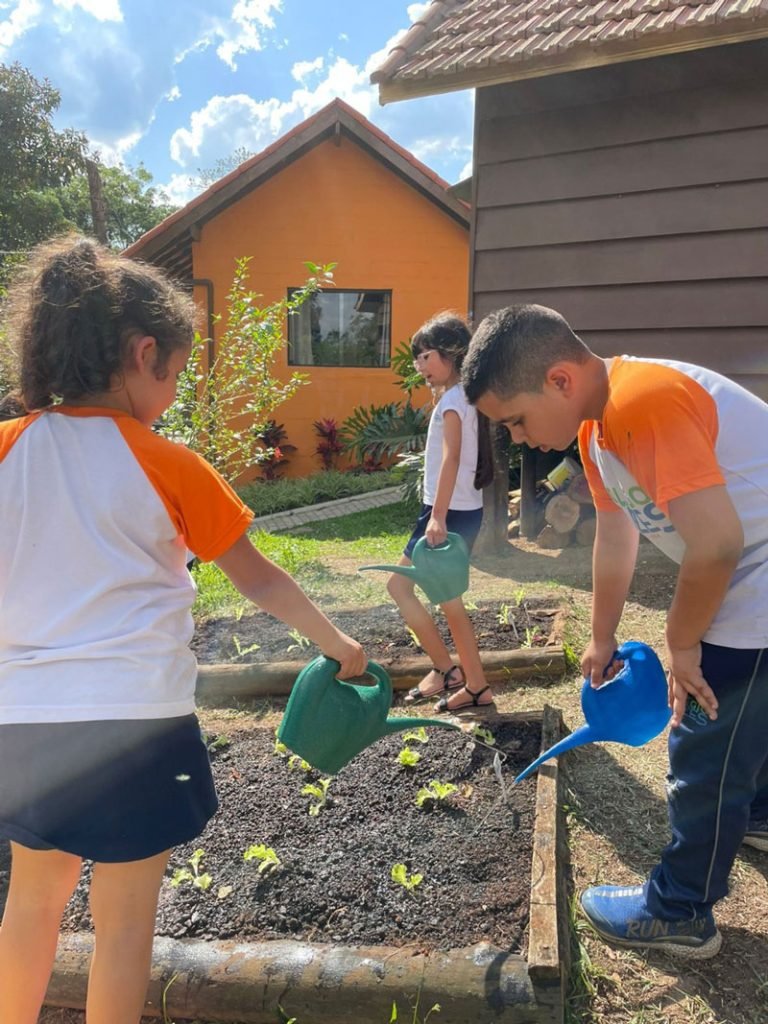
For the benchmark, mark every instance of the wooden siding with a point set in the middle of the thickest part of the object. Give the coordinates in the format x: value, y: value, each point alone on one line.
x: 634, y: 199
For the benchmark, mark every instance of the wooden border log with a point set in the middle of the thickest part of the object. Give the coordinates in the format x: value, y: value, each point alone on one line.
x: 220, y: 682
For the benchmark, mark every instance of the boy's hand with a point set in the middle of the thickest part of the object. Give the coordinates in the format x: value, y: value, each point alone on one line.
x: 349, y: 654
x: 685, y: 678
x: 598, y: 663
x: 436, y: 531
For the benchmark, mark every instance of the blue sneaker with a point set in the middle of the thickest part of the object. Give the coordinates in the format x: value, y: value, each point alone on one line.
x: 619, y: 915
x: 757, y: 835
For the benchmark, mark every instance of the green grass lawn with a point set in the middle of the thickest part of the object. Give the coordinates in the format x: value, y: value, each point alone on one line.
x: 378, y: 535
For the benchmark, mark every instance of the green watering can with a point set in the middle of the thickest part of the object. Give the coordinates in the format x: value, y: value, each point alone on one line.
x: 442, y: 572
x: 328, y: 722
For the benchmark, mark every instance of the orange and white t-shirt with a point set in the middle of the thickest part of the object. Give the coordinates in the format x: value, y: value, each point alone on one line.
x: 671, y: 428
x: 98, y: 515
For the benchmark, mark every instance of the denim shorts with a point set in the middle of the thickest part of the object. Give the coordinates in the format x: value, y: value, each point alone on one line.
x: 465, y: 522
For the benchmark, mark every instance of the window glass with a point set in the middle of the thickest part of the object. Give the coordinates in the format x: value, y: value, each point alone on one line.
x: 341, y: 328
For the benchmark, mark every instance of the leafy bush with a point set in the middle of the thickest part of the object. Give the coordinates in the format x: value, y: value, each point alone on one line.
x: 282, y: 495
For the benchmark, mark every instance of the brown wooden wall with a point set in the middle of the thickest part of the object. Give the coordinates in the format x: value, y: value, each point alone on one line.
x: 634, y: 200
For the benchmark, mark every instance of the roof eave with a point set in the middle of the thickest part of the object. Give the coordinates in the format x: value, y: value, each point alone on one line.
x: 572, y: 60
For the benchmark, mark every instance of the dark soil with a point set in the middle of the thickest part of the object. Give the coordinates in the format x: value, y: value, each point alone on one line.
x: 333, y: 883
x: 498, y: 625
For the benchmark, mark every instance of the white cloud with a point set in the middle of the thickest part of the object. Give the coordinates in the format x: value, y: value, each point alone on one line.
x: 441, y: 145
x: 113, y: 154
x: 466, y: 171
x: 25, y: 15
x: 244, y: 32
x: 227, y: 123
x: 173, y: 93
x: 303, y: 68
x: 180, y: 189
x: 415, y: 11
x: 102, y: 10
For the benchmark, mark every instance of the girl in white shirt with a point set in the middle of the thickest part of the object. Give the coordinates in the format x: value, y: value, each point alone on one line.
x: 453, y: 502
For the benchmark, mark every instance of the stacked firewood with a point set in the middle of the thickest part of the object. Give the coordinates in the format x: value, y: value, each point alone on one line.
x: 565, y: 516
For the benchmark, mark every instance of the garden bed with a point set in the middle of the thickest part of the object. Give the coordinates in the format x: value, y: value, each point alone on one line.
x: 327, y: 932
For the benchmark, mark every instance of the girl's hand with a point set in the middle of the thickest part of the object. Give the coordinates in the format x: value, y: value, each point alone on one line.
x: 436, y: 531
x: 685, y: 679
x: 598, y: 663
x: 349, y: 654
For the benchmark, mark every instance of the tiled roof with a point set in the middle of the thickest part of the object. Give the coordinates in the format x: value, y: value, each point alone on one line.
x: 462, y: 43
x: 168, y: 243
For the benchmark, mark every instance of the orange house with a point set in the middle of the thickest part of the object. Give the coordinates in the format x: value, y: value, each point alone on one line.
x: 334, y: 189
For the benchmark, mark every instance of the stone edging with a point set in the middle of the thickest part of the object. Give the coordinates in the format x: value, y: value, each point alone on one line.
x: 326, y: 509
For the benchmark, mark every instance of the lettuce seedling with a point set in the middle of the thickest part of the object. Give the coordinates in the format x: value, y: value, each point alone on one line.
x: 320, y: 792
x: 417, y: 736
x: 200, y: 880
x: 265, y: 855
x: 399, y: 874
x: 408, y: 758
x: 434, y: 792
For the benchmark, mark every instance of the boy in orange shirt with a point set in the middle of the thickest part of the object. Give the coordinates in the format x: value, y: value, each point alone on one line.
x: 678, y: 453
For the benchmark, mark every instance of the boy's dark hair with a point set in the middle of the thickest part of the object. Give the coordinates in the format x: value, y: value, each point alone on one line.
x: 73, y: 311
x: 446, y: 333
x: 513, y: 348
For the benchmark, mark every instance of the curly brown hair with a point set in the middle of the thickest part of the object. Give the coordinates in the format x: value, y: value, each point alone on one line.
x: 73, y: 310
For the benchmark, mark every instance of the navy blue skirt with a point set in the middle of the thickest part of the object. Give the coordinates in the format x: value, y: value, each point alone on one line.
x: 466, y: 523
x: 110, y: 791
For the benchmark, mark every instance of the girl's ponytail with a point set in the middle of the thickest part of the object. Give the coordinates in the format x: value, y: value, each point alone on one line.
x: 73, y: 312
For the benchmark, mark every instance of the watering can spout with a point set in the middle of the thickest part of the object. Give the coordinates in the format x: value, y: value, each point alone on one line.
x: 442, y: 571
x: 392, y: 725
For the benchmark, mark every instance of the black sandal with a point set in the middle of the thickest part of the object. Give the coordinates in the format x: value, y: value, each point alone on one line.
x: 449, y: 683
x: 474, y: 702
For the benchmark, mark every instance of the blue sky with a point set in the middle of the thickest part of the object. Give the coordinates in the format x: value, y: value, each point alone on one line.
x: 178, y: 84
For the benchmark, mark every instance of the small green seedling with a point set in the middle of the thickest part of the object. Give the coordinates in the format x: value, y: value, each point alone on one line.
x: 519, y: 596
x: 414, y: 639
x: 220, y: 742
x: 435, y: 792
x: 265, y: 855
x: 484, y: 735
x: 243, y: 651
x: 399, y: 874
x: 408, y: 758
x: 294, y: 761
x: 415, y: 1019
x: 280, y: 749
x: 299, y: 640
x: 471, y: 606
x: 503, y: 614
x: 417, y: 736
x: 531, y: 636
x: 199, y: 880
x: 320, y: 792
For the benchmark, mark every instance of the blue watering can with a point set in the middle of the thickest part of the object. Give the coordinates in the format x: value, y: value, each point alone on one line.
x: 631, y: 708
x: 442, y: 571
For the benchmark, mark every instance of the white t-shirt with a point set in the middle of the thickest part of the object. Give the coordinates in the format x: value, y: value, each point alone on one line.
x: 98, y: 514
x: 670, y: 429
x: 465, y: 495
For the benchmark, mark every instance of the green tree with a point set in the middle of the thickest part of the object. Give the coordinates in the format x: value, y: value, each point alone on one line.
x: 133, y: 204
x: 219, y: 414
x: 36, y: 159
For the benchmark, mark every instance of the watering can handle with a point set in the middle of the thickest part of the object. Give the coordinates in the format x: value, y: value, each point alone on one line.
x: 382, y: 679
x: 371, y: 669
